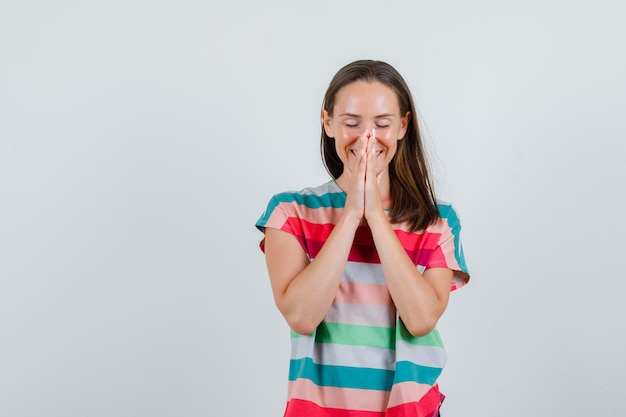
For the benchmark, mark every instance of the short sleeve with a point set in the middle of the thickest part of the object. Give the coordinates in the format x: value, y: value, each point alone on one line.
x: 449, y: 250
x: 281, y: 214
x: 273, y: 216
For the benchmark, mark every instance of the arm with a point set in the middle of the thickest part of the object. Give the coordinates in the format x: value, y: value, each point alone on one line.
x: 420, y: 299
x: 304, y: 291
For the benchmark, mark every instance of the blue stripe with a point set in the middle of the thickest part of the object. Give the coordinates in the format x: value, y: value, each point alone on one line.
x: 335, y: 200
x: 447, y: 212
x: 340, y: 376
x: 408, y: 371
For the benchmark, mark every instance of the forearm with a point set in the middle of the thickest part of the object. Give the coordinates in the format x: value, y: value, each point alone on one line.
x: 418, y: 303
x: 308, y: 296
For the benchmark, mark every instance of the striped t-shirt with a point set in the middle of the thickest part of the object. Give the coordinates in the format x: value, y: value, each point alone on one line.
x: 361, y: 361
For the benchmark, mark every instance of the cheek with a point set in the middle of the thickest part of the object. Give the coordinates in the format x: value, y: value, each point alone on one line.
x: 347, y: 136
x: 390, y: 142
x: 384, y: 134
x: 388, y: 136
x: 392, y: 134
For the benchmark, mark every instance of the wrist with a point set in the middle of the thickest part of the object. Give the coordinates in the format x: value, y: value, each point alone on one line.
x: 377, y: 217
x: 350, y: 219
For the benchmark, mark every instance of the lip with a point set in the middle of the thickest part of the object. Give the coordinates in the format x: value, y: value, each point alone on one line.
x: 353, y: 152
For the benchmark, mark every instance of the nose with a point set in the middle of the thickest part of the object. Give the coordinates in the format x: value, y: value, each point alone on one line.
x: 367, y: 127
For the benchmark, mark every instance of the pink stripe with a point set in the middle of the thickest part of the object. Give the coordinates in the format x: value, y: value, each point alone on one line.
x: 410, y: 391
x: 276, y: 220
x: 458, y: 280
x: 342, y: 398
x: 360, y: 293
x: 302, y: 408
x: 440, y: 226
x: 305, y: 399
x: 424, y: 241
x: 320, y: 215
x: 427, y: 406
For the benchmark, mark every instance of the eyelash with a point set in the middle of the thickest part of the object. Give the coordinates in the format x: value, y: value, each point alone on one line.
x: 356, y: 125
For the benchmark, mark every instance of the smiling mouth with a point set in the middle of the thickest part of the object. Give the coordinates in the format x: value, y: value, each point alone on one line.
x: 378, y: 153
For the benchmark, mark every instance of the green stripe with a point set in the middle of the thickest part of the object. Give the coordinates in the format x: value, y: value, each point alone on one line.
x: 373, y: 336
x: 356, y: 335
x: 431, y: 339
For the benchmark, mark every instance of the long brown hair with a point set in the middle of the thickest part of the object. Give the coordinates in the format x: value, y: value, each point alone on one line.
x: 411, y: 187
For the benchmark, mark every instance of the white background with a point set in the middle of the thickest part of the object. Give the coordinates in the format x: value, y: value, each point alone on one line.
x: 141, y: 140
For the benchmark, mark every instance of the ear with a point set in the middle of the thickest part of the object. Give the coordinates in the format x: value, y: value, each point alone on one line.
x: 404, y: 124
x: 326, y: 122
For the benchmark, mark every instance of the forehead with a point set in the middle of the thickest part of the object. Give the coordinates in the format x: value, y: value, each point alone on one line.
x: 364, y: 97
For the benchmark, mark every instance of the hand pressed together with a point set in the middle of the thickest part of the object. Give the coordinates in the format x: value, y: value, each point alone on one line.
x: 364, y: 200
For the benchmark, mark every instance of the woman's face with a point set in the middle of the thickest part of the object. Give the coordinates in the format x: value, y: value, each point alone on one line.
x: 360, y: 107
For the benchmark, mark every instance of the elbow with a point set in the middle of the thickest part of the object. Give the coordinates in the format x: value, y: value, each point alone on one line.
x: 301, y: 324
x: 419, y: 331
x: 298, y: 320
x: 302, y: 327
x: 303, y: 330
x: 421, y: 327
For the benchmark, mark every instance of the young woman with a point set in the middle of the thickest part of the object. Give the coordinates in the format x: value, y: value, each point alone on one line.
x: 362, y: 267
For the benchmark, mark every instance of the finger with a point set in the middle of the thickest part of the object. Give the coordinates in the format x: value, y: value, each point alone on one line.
x: 360, y: 166
x: 357, y: 151
x: 359, y: 163
x: 371, y: 155
x: 363, y: 161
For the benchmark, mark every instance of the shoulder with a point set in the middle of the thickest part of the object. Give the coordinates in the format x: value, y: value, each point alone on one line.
x: 448, y: 223
x: 450, y: 255
x: 325, y: 195
x: 448, y: 214
x: 446, y: 210
x: 307, y: 203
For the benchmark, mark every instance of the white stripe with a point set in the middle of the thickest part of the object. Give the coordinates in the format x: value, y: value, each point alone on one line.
x: 366, y: 356
x: 363, y: 314
x: 433, y: 356
x: 364, y: 273
x: 342, y: 355
x: 320, y: 190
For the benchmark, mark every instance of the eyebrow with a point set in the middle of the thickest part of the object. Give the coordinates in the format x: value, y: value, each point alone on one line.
x: 376, y: 117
